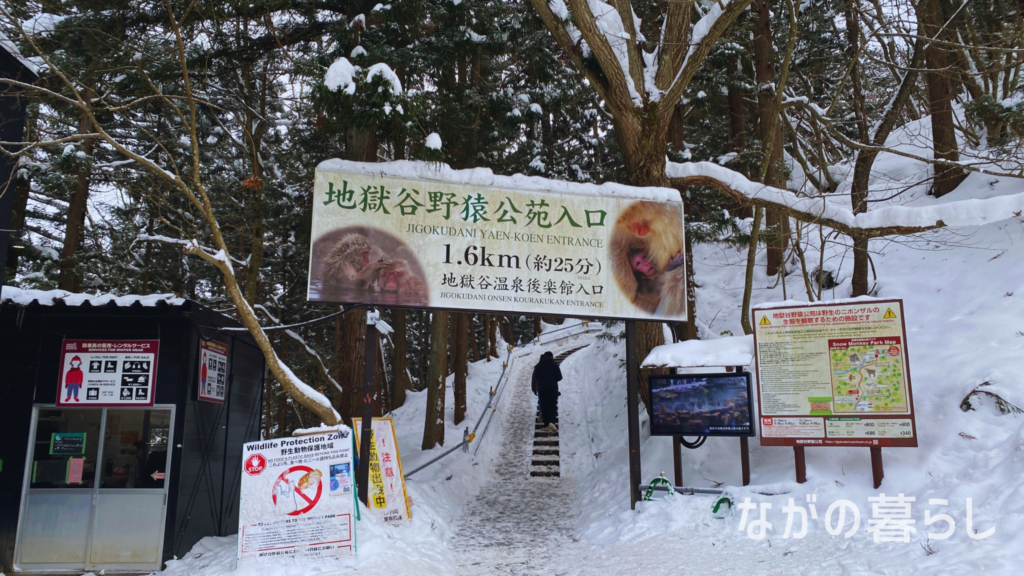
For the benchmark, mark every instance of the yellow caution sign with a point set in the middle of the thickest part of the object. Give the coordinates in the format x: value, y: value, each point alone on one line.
x: 889, y: 315
x: 764, y: 321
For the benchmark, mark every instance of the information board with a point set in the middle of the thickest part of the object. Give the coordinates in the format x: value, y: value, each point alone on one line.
x: 580, y: 250
x: 213, y: 371
x: 107, y: 372
x: 291, y: 506
x: 67, y: 443
x: 387, y: 483
x: 834, y: 374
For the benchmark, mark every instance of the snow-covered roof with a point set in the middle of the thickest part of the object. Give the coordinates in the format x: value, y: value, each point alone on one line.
x: 8, y: 46
x: 728, y: 351
x: 485, y: 177
x: 25, y: 297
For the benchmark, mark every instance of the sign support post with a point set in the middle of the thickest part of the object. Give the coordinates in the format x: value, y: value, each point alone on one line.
x: 801, y: 464
x: 370, y: 354
x: 677, y: 459
x: 745, y: 460
x: 633, y: 412
x: 877, y: 473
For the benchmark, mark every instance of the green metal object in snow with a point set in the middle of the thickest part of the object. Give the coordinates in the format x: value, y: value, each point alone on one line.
x: 659, y: 481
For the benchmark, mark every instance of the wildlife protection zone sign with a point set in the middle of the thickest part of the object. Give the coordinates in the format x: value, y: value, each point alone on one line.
x: 297, y: 498
x: 398, y: 241
x: 834, y: 375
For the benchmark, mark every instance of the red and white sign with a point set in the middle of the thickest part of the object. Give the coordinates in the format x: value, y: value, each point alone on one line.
x: 285, y: 510
x: 213, y: 371
x: 255, y: 464
x: 107, y: 373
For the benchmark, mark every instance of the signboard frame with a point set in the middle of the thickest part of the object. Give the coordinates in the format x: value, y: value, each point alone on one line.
x: 213, y: 349
x: 809, y: 419
x: 72, y: 347
x: 749, y: 432
x: 400, y: 249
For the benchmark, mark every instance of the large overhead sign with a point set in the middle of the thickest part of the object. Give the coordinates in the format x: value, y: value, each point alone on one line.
x: 565, y: 250
x: 834, y: 375
x: 107, y: 372
x: 297, y: 498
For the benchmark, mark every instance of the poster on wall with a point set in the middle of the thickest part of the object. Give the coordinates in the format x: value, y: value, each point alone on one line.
x: 518, y: 244
x: 834, y: 375
x: 291, y: 506
x: 213, y: 371
x: 107, y: 372
x: 387, y: 482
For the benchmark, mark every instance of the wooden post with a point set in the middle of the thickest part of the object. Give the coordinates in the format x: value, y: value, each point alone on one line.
x: 745, y: 460
x: 677, y: 459
x: 633, y: 412
x: 877, y: 473
x: 744, y: 444
x: 801, y: 464
x: 370, y: 355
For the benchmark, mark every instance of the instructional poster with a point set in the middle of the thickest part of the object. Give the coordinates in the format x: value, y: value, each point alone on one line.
x: 387, y: 483
x: 289, y: 505
x: 107, y: 372
x: 213, y: 371
x: 834, y: 375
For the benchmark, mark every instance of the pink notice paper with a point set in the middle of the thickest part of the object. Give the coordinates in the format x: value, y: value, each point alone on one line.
x: 75, y: 468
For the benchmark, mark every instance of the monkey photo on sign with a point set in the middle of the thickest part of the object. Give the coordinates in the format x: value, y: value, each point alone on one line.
x: 361, y: 264
x: 393, y: 275
x: 647, y: 260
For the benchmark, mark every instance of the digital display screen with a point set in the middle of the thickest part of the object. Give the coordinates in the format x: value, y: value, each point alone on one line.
x: 701, y: 405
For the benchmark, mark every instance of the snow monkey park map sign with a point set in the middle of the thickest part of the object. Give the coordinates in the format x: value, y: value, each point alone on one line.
x: 382, y: 235
x: 834, y: 375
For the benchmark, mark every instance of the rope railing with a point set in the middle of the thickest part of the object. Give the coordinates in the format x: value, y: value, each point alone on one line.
x: 493, y: 397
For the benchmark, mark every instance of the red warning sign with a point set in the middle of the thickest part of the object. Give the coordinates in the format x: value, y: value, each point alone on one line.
x: 298, y: 489
x: 255, y: 464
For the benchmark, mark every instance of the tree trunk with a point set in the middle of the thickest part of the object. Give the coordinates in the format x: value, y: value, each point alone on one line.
x: 474, y: 344
x: 353, y: 346
x: 536, y: 327
x: 433, y: 424
x: 460, y: 351
x: 492, y: 336
x: 764, y: 74
x: 401, y: 371
x: 70, y: 280
x: 940, y: 101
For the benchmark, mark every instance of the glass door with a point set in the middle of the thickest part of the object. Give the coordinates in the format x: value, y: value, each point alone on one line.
x: 128, y: 529
x: 96, y: 489
x: 61, y: 481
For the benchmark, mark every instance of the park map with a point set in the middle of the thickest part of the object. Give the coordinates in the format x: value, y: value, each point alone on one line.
x: 867, y: 375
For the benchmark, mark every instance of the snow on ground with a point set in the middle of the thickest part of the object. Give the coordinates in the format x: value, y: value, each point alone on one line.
x: 962, y: 290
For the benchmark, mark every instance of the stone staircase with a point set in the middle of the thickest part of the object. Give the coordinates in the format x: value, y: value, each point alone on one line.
x: 545, y: 442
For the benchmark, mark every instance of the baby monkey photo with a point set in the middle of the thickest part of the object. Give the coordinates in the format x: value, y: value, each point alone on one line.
x: 365, y: 265
x: 646, y: 254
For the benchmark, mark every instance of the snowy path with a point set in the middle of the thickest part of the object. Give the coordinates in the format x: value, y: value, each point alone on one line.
x: 518, y: 524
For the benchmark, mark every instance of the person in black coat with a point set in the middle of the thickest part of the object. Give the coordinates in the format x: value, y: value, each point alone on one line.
x: 546, y: 376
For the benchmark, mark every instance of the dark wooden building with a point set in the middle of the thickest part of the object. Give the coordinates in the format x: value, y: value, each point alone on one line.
x: 96, y: 479
x: 12, y: 129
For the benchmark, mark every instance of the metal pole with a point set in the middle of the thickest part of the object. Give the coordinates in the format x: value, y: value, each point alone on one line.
x: 633, y: 412
x: 370, y: 354
x: 677, y: 459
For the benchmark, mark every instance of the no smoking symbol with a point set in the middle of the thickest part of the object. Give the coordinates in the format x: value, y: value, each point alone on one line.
x: 298, y: 481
